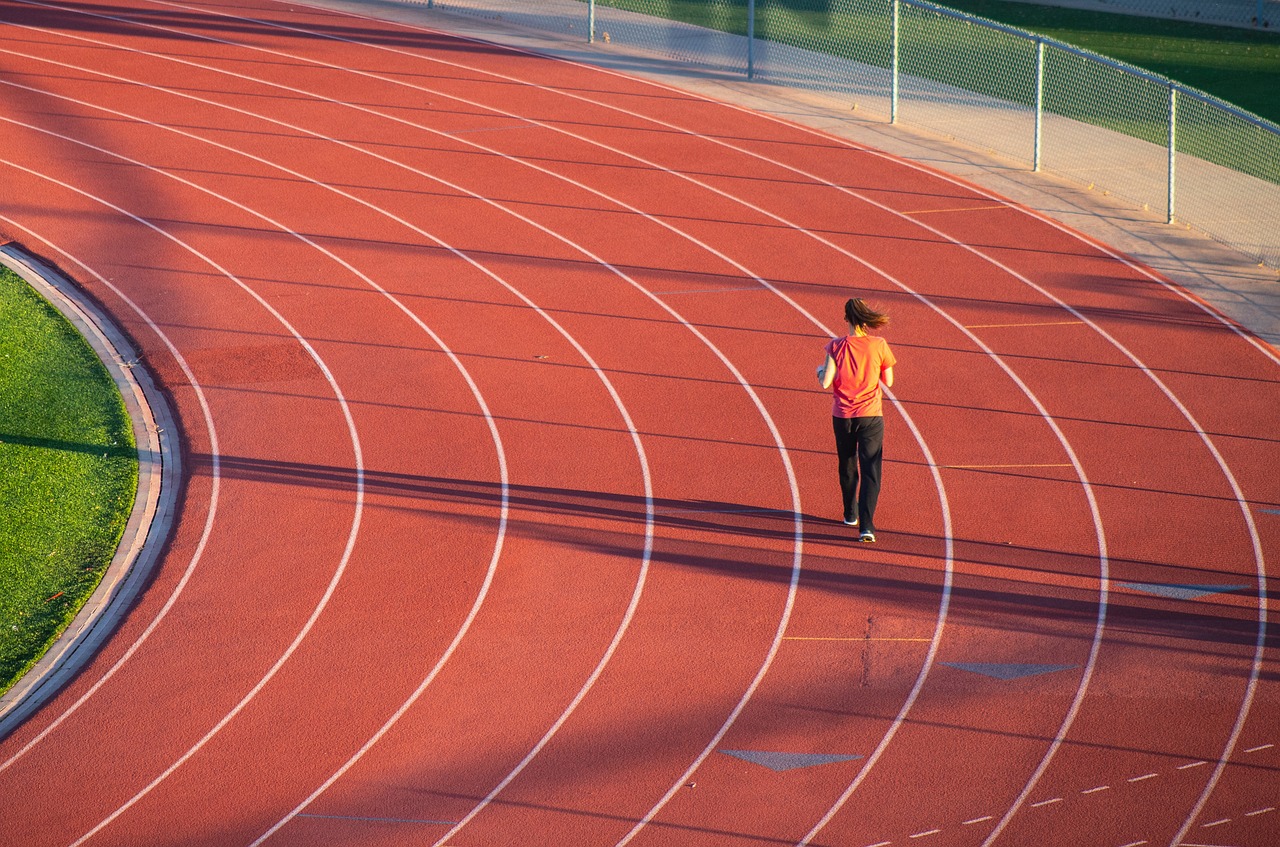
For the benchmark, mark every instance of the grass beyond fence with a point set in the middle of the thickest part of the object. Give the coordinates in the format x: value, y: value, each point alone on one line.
x: 1240, y: 67
x: 68, y: 474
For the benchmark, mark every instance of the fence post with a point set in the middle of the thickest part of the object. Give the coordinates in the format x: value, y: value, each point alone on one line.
x: 893, y: 77
x: 591, y: 21
x: 1039, y: 135
x: 1173, y: 149
x: 751, y: 39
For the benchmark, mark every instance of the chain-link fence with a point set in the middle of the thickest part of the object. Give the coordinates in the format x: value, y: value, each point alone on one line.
x: 1046, y: 105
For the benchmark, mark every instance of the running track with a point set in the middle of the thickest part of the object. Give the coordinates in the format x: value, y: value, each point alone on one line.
x: 511, y: 515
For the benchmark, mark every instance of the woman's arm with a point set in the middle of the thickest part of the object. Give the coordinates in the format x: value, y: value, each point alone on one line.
x: 886, y: 376
x: 827, y: 372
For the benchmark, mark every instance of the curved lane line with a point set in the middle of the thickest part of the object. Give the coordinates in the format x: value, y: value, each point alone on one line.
x: 947, y: 584
x: 649, y: 522
x: 786, y: 460
x: 355, y: 524
x: 451, y: 355
x: 215, y: 476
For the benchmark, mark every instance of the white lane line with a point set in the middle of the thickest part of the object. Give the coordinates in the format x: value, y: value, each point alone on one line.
x: 1141, y: 778
x: 982, y: 819
x: 925, y: 834
x: 796, y: 512
x: 215, y: 475
x: 1191, y: 765
x: 1259, y: 748
x: 1096, y: 790
x: 1046, y: 802
x: 1257, y: 812
x: 1219, y: 822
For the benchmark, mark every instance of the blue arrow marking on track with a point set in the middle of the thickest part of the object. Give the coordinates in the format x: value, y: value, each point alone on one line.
x: 1006, y: 671
x: 786, y: 761
x: 1180, y: 592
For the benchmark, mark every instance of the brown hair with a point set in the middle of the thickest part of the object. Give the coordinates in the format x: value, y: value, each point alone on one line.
x: 858, y: 313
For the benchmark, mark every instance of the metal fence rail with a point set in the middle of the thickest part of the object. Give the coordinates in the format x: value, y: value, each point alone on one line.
x: 1049, y: 106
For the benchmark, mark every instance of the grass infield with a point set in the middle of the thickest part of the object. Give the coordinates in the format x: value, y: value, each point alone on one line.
x: 68, y: 474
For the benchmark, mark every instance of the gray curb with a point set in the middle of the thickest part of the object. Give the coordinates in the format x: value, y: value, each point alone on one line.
x: 154, y: 506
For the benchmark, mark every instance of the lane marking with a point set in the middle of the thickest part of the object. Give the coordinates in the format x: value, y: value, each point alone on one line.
x: 1216, y: 823
x: 1259, y: 747
x: 925, y: 834
x: 1259, y: 812
x: 1096, y: 790
x: 1190, y: 765
x: 1141, y: 778
x: 979, y: 820
x: 1046, y: 802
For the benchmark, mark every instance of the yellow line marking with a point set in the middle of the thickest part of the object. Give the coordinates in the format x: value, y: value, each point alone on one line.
x: 1045, y: 323
x: 985, y: 467
x: 836, y: 638
x: 957, y: 209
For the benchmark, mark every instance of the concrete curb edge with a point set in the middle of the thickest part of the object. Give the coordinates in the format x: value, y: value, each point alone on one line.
x: 155, y: 504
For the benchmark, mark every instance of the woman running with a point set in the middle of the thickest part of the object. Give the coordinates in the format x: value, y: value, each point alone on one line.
x: 856, y: 367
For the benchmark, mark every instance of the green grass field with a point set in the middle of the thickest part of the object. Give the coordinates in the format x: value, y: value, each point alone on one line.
x: 68, y: 474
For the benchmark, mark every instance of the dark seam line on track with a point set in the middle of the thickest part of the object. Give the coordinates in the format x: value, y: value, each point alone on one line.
x: 376, y: 820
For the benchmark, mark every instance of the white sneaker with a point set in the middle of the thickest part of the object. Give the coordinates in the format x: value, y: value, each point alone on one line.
x: 867, y: 536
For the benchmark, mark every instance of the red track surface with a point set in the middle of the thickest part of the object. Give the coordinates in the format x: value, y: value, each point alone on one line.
x: 513, y: 503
